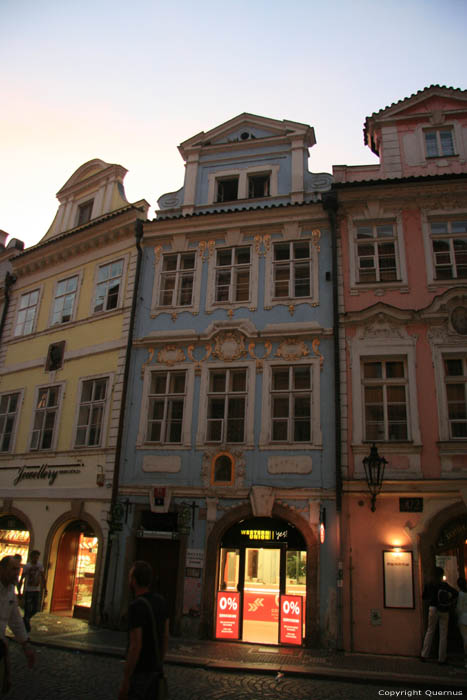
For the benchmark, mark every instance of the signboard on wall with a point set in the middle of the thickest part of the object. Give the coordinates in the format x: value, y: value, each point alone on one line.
x: 228, y: 615
x: 398, y: 579
x: 291, y: 619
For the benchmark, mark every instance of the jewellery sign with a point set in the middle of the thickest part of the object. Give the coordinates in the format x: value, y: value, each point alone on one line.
x: 291, y: 619
x: 228, y: 615
x: 25, y: 475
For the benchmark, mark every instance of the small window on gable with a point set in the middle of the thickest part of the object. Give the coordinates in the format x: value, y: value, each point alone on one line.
x: 439, y: 142
x: 84, y: 212
x: 222, y: 469
x: 227, y: 189
x: 258, y: 186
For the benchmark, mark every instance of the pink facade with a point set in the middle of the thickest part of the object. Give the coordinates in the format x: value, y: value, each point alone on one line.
x: 403, y: 317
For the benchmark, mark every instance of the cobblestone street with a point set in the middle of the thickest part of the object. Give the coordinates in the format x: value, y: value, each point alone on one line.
x: 71, y: 675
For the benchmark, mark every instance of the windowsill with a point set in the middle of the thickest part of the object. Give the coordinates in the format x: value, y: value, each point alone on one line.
x: 243, y: 199
x: 289, y: 446
x: 158, y: 310
x: 452, y: 155
x: 161, y: 446
x: 454, y: 446
x: 387, y: 447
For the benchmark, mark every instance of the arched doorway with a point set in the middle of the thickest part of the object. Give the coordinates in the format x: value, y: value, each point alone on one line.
x: 75, y: 570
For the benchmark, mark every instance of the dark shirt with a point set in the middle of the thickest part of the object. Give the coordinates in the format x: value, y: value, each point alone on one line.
x: 139, y: 616
x: 431, y: 595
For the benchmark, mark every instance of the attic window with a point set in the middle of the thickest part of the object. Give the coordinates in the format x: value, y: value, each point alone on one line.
x: 439, y: 143
x: 258, y: 186
x: 85, y: 212
x: 227, y: 189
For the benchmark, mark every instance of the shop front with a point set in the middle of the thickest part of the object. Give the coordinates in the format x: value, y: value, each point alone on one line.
x: 261, y: 587
x: 14, y: 537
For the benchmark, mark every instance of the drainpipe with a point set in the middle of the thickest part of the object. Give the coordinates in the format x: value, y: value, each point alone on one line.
x: 330, y: 205
x: 9, y: 282
x: 118, y: 448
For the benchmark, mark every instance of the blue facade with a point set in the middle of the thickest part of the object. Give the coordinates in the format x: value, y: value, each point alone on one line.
x: 231, y: 399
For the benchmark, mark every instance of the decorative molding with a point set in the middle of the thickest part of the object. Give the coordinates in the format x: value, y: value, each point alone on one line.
x: 148, y: 361
x: 315, y: 343
x: 197, y: 363
x: 262, y: 501
x: 315, y: 238
x: 157, y: 253
x: 291, y: 309
x: 229, y: 346
x: 170, y: 355
x: 292, y: 350
x: 259, y: 360
x: 206, y: 249
x: 262, y: 244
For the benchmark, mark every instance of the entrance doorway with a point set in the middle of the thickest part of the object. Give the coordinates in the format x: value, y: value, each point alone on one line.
x: 262, y: 559
x: 75, y: 571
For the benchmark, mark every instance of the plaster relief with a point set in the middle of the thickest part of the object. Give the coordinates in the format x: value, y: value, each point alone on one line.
x: 170, y: 355
x: 229, y: 346
x: 168, y: 464
x: 292, y: 350
x: 262, y: 501
x: 300, y: 464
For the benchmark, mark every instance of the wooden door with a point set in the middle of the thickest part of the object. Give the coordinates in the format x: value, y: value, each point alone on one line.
x: 65, y: 571
x: 163, y: 557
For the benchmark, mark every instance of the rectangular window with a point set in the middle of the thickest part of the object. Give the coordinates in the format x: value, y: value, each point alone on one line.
x: 91, y: 412
x: 376, y: 253
x: 292, y: 270
x: 258, y: 186
x: 166, y: 407
x: 227, y: 405
x: 45, y: 417
x: 177, y: 277
x: 109, y: 280
x: 27, y: 313
x: 84, y: 212
x: 455, y: 370
x: 65, y: 295
x: 227, y: 189
x: 439, y: 142
x: 9, y: 405
x: 232, y: 275
x: 291, y: 404
x: 449, y: 244
x: 385, y: 399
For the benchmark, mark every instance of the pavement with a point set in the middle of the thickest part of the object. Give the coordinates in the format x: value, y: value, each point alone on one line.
x: 69, y: 633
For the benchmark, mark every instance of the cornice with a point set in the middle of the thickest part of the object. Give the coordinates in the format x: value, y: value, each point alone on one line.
x: 410, y: 487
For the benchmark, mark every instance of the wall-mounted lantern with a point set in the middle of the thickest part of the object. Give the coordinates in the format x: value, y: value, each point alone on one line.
x: 374, y: 471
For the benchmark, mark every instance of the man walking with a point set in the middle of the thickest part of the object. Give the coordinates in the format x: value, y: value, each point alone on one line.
x: 441, y: 597
x: 34, y: 581
x: 148, y: 624
x: 10, y: 615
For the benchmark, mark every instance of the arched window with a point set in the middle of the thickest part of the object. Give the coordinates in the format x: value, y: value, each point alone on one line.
x: 223, y: 469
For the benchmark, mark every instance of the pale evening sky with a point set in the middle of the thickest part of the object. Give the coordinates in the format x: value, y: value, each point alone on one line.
x: 127, y: 82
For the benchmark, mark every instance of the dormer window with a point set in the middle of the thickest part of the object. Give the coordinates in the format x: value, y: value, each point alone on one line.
x: 85, y: 212
x: 227, y: 189
x: 258, y: 186
x: 439, y: 143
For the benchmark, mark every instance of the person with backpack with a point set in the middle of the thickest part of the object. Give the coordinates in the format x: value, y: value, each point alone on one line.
x: 441, y: 598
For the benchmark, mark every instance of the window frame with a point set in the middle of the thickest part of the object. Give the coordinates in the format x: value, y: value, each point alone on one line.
x: 243, y: 174
x: 55, y: 430
x: 266, y: 442
x: 202, y: 432
x: 354, y: 223
x: 214, y: 459
x: 179, y: 274
x: 121, y: 290
x: 19, y: 404
x: 270, y: 299
x: 36, y: 306
x: 252, y: 301
x: 450, y: 237
x: 461, y: 380
x: 85, y: 207
x: 439, y: 144
x: 185, y: 443
x: 79, y: 277
x: 156, y: 308
x: 109, y: 377
x: 385, y: 382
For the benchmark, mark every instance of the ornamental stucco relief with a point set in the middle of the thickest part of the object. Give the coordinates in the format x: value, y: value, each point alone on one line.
x: 291, y: 350
x: 170, y: 355
x: 229, y: 346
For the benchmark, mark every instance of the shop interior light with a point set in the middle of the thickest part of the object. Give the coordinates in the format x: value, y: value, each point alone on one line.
x: 374, y: 466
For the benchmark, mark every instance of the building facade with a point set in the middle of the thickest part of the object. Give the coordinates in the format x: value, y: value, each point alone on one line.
x: 403, y: 314
x: 228, y: 464
x: 67, y: 313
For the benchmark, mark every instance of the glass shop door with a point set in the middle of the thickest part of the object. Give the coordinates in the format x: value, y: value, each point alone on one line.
x: 261, y: 592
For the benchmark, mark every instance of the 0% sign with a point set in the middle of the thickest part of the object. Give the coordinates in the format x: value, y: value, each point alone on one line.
x: 228, y: 603
x: 291, y: 607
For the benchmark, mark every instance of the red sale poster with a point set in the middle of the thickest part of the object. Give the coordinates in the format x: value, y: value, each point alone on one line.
x: 291, y: 619
x: 227, y: 615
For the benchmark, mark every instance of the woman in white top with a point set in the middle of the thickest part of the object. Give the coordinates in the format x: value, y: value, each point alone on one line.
x: 461, y: 611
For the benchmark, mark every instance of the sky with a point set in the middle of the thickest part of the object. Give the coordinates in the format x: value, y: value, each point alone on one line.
x: 127, y: 82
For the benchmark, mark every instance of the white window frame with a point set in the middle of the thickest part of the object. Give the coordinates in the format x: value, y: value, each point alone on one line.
x: 449, y: 237
x: 429, y: 216
x: 119, y: 304
x: 202, y: 433
x: 36, y: 307
x: 80, y: 207
x: 185, y: 443
x: 243, y: 175
x: 19, y: 405
x: 78, y: 275
x: 156, y: 308
x: 449, y: 347
x: 61, y: 391
x: 252, y: 301
x: 460, y: 379
x: 106, y: 404
x: 266, y: 442
x: 270, y: 299
x: 401, y: 269
x: 179, y: 274
x: 439, y: 145
x: 385, y: 382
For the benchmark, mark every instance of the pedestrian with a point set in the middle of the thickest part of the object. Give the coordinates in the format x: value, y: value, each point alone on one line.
x: 441, y: 598
x: 148, y: 637
x: 10, y: 615
x: 34, y: 582
x: 461, y: 611
x: 20, y: 562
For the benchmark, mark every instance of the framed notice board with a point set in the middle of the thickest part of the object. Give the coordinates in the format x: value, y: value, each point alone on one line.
x: 398, y: 579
